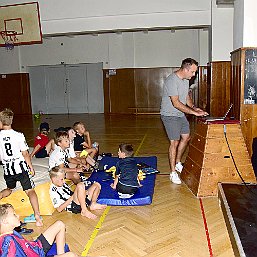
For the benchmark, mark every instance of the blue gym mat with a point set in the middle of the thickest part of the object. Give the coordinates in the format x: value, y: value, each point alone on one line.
x: 110, y: 196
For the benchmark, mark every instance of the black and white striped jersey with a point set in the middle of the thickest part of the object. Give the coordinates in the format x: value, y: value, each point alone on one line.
x: 12, y: 144
x: 59, y: 195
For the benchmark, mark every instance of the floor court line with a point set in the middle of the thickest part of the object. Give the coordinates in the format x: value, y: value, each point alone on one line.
x: 206, y: 228
x: 102, y: 218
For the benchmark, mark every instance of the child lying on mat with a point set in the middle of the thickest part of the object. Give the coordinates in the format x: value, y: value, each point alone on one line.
x: 82, y: 201
x: 13, y: 244
x: 126, y: 181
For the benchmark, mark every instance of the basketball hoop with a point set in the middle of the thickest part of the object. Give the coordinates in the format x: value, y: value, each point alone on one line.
x: 9, y: 37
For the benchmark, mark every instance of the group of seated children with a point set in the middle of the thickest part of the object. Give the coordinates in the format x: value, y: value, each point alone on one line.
x: 18, y: 167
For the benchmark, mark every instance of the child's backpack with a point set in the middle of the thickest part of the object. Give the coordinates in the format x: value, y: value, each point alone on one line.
x: 15, y: 245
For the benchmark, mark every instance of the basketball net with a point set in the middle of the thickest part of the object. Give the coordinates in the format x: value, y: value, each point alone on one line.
x: 9, y: 38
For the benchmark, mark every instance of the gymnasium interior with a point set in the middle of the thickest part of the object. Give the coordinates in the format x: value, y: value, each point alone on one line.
x: 104, y: 63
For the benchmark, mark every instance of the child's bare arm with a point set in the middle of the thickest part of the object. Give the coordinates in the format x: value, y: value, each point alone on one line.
x: 70, y: 170
x: 36, y: 148
x: 88, y: 139
x: 28, y: 161
x: 65, y: 204
x: 115, y: 182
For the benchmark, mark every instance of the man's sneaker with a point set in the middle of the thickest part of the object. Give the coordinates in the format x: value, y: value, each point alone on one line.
x: 179, y: 167
x: 175, y: 178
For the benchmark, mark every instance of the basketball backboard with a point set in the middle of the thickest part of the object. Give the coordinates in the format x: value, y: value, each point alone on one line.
x: 22, y: 20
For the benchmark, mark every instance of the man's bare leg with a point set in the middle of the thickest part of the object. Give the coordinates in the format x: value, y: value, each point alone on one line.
x: 185, y: 138
x: 173, y: 153
x: 35, y: 206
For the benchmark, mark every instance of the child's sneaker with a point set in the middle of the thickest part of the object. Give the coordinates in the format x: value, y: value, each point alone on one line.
x: 179, y: 167
x: 174, y: 178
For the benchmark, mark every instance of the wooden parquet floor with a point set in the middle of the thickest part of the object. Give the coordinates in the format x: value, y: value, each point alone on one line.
x: 172, y: 225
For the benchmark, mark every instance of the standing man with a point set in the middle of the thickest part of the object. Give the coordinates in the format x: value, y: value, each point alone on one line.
x: 176, y: 102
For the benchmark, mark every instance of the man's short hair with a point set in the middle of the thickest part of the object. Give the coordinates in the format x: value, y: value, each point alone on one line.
x: 127, y: 149
x: 54, y: 172
x: 186, y: 63
x: 6, y: 117
x: 60, y: 136
x: 4, y: 210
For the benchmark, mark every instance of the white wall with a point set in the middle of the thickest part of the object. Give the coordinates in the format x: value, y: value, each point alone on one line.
x: 126, y: 50
x: 238, y: 28
x: 250, y: 23
x: 61, y: 16
x: 129, y: 49
x: 222, y: 32
x: 165, y: 49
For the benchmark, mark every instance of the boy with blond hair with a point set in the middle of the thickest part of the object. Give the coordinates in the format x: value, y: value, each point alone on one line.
x: 13, y: 244
x: 16, y: 162
x: 80, y: 201
x: 82, y: 141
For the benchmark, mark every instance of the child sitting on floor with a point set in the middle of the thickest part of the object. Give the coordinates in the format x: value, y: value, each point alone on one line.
x: 82, y: 141
x: 42, y: 145
x: 60, y: 157
x: 126, y: 181
x: 87, y: 160
x: 81, y: 201
x: 13, y: 244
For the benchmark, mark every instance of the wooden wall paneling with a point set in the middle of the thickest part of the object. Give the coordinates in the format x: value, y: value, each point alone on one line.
x: 149, y: 86
x: 15, y: 92
x: 201, y: 100
x: 220, y: 80
x: 120, y: 91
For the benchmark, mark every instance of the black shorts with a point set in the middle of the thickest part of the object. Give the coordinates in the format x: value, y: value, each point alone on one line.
x: 126, y: 189
x: 76, y: 208
x: 45, y: 243
x: 42, y: 153
x: 23, y: 178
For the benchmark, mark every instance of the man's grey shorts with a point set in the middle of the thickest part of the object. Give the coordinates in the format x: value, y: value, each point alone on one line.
x: 175, y: 126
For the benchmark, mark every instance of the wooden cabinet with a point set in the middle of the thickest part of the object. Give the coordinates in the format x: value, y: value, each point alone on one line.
x: 218, y: 88
x: 244, y: 91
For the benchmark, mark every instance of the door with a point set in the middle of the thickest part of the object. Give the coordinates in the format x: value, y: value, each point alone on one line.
x: 56, y: 89
x: 77, y: 89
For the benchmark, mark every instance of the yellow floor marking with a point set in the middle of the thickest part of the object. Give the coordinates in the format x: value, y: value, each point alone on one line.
x: 102, y: 218
x: 137, y: 151
x: 95, y: 232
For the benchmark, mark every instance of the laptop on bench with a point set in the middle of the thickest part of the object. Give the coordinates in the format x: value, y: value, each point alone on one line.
x: 218, y: 118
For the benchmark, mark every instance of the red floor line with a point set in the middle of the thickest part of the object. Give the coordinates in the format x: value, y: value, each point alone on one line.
x: 206, y: 228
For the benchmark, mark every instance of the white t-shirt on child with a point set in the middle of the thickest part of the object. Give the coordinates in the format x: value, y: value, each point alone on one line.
x: 59, y: 195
